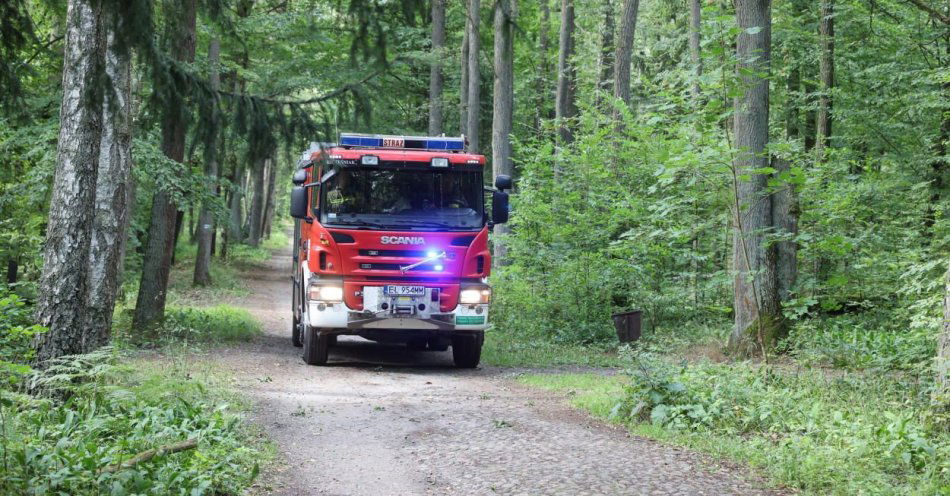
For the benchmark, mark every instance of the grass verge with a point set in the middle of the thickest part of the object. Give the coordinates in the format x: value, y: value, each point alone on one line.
x: 819, y: 434
x: 504, y: 350
x: 100, y: 410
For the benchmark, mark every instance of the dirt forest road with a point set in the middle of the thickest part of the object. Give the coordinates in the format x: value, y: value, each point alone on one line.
x: 380, y: 420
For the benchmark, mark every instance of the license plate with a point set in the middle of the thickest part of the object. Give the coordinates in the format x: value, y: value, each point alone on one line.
x: 393, y: 289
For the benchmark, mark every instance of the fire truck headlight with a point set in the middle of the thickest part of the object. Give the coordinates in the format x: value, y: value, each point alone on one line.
x: 329, y: 294
x: 438, y: 267
x: 475, y: 295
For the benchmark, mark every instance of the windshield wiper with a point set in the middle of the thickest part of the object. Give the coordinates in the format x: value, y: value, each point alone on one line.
x: 429, y: 223
x: 361, y: 223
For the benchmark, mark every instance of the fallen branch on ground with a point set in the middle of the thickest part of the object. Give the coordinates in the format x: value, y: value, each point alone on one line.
x: 149, y: 454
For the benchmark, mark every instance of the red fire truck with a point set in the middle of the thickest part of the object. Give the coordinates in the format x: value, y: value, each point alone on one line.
x: 391, y: 238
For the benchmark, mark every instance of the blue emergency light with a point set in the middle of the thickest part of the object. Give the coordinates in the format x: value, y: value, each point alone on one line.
x: 441, y: 143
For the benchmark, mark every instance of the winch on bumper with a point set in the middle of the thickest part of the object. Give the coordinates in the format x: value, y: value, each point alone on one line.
x: 404, y: 312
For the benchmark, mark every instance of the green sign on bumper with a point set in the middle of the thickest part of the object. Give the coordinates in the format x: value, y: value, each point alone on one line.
x: 469, y: 320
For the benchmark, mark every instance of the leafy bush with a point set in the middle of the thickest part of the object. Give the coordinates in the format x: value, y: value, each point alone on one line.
x: 94, y: 412
x: 837, y: 434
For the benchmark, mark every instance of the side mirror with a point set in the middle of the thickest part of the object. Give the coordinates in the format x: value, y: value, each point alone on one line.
x: 499, y: 207
x: 502, y: 181
x: 300, y: 177
x: 298, y: 202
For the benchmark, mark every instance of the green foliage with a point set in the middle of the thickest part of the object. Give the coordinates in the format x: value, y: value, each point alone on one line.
x: 192, y: 325
x: 821, y: 433
x: 95, y: 412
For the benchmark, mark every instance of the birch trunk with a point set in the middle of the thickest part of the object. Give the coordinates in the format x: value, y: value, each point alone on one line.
x: 474, y: 75
x: 113, y: 195
x: 503, y: 102
x: 63, y: 287
x: 756, y: 305
x: 435, y: 70
x: 565, y: 107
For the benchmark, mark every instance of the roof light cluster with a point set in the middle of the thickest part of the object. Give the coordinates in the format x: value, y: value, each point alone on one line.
x: 402, y: 142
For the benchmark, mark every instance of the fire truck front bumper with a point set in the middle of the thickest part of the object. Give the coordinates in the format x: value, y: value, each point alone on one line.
x: 398, y: 313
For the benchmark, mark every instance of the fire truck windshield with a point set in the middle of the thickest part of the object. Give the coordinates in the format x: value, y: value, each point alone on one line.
x: 403, y: 198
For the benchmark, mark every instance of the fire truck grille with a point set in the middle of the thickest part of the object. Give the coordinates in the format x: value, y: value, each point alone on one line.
x: 393, y: 253
x: 392, y: 266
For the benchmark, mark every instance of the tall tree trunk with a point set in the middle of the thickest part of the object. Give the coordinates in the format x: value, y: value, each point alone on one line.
x: 628, y: 26
x: 205, y: 233
x: 785, y: 206
x: 435, y: 70
x: 695, y: 57
x: 607, y: 50
x: 463, y: 83
x: 541, y: 88
x: 113, y: 195
x: 758, y: 322
x: 156, y: 265
x: 474, y: 75
x: 235, y: 211
x: 256, y: 213
x: 941, y: 395
x: 13, y: 268
x: 503, y: 96
x: 63, y: 287
x: 271, y: 201
x: 565, y: 107
x: 826, y: 30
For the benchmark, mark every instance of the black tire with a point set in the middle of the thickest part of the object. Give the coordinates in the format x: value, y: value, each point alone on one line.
x: 467, y: 350
x: 331, y: 339
x: 315, y: 347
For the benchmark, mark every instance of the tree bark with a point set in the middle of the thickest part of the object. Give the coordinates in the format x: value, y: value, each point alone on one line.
x: 435, y: 70
x: 695, y: 57
x: 565, y: 107
x: 941, y: 395
x: 474, y: 75
x: 256, y: 214
x: 628, y: 26
x: 236, y: 212
x: 826, y: 30
x: 503, y: 96
x: 463, y: 84
x: 63, y: 287
x: 270, y: 203
x: 202, y: 276
x: 113, y: 195
x: 150, y: 304
x: 607, y: 50
x: 541, y: 88
x: 758, y: 322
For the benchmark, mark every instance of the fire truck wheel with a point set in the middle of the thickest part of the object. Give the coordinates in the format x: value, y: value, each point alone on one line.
x: 467, y: 350
x: 315, y: 347
x: 331, y: 340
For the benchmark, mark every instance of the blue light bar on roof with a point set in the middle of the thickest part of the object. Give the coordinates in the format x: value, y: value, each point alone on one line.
x: 402, y: 142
